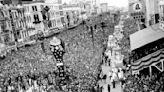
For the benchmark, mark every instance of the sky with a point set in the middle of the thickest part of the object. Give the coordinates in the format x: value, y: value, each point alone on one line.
x: 117, y: 3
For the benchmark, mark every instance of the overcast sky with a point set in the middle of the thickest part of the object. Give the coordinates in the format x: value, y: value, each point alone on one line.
x: 117, y: 3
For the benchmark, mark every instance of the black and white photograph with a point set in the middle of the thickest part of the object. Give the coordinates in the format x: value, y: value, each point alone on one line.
x: 81, y: 45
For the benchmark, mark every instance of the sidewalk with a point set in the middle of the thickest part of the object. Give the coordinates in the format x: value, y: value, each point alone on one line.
x: 105, y: 71
x: 117, y: 89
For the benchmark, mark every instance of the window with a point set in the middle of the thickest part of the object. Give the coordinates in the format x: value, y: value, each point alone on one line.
x: 41, y: 7
x: 62, y: 20
x: 34, y: 8
x: 36, y: 18
x: 58, y: 22
x: 54, y: 23
x: 61, y: 13
x: 28, y: 19
x: 57, y: 13
x: 60, y: 7
x: 50, y: 24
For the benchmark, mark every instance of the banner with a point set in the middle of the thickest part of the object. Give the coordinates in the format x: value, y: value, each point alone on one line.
x: 137, y: 9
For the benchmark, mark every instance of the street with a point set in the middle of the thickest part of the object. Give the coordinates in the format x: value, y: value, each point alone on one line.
x: 105, y: 70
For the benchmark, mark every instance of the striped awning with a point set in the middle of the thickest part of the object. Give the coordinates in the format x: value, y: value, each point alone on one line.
x: 148, y: 60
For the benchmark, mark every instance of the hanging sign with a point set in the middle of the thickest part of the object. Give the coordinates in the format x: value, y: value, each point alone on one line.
x: 137, y: 9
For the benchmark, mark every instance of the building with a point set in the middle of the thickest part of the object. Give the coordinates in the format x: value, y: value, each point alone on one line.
x: 161, y: 13
x: 72, y: 14
x: 145, y: 11
x: 152, y: 15
x: 53, y: 1
x: 8, y: 32
x: 34, y: 12
x: 137, y: 10
x: 150, y: 41
x: 103, y: 7
x: 5, y: 27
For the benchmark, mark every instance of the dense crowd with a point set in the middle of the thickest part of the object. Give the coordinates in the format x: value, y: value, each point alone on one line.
x: 129, y: 27
x: 147, y: 49
x: 143, y: 83
x: 81, y: 56
x: 40, y: 82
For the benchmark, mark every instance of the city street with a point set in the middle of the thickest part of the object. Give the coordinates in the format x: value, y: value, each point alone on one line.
x: 81, y: 45
x: 80, y: 55
x: 105, y: 70
x: 68, y: 61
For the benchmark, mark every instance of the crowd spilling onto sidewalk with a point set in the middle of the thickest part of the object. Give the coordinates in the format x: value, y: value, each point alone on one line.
x: 143, y: 83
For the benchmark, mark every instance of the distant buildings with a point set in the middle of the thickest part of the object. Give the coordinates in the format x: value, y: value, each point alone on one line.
x: 161, y: 13
x: 104, y: 7
x: 20, y: 22
x: 145, y: 11
x: 72, y: 14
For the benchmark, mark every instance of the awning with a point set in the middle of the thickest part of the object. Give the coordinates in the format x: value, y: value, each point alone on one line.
x: 149, y: 60
x: 145, y: 36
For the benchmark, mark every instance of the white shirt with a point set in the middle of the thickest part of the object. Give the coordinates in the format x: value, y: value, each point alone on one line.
x: 109, y: 74
x: 114, y: 77
x: 120, y: 74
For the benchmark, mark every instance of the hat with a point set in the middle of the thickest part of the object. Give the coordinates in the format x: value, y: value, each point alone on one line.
x: 55, y: 41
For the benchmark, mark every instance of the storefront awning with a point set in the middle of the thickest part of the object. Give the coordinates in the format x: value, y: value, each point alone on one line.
x: 145, y: 36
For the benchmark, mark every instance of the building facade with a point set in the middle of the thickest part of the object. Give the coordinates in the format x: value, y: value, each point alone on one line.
x: 103, y: 7
x: 145, y: 11
x: 72, y: 14
x: 34, y: 13
x: 161, y: 13
x: 5, y: 27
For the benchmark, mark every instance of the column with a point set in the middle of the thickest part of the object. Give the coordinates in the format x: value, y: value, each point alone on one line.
x: 162, y: 65
x: 150, y: 71
x: 147, y: 2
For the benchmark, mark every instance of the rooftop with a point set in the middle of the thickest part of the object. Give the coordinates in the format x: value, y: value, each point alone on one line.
x: 145, y: 36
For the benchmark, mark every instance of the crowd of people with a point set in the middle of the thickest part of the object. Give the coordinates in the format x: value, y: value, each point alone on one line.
x: 145, y: 83
x: 41, y: 82
x: 29, y: 83
x: 80, y: 56
x: 147, y: 49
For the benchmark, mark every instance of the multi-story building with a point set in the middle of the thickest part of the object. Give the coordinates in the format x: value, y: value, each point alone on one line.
x: 19, y: 24
x: 34, y: 14
x: 5, y: 27
x: 54, y: 1
x: 33, y: 18
x: 152, y: 12
x: 103, y: 7
x: 15, y: 2
x: 56, y: 16
x: 72, y: 14
x: 161, y: 13
x: 145, y: 11
x: 150, y: 41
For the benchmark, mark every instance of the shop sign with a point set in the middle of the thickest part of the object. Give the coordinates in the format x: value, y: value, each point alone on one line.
x: 137, y: 8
